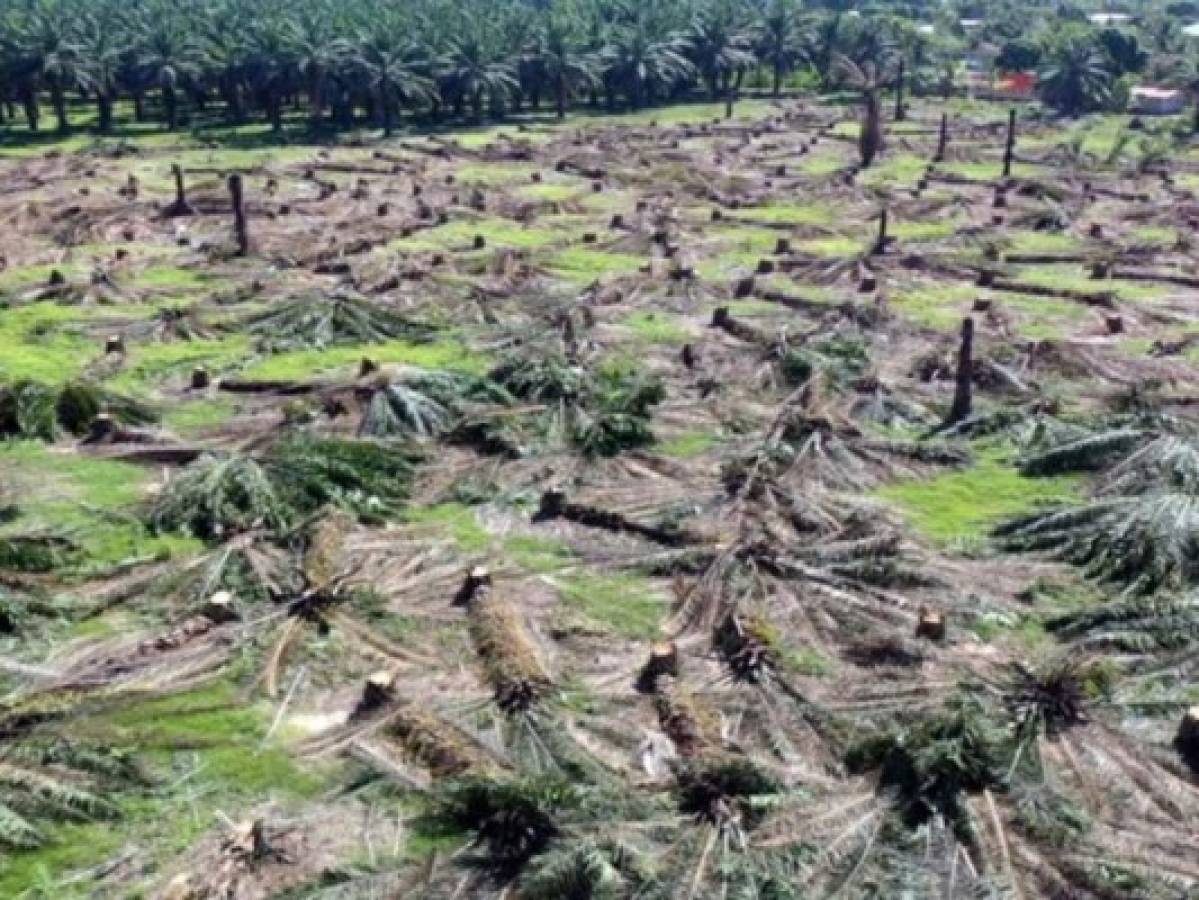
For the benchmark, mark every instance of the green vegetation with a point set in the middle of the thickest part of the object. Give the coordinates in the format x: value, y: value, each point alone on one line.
x: 625, y: 605
x: 963, y: 506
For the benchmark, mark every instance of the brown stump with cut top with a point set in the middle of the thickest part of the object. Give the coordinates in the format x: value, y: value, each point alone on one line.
x: 663, y: 662
x: 478, y: 579
x: 930, y: 625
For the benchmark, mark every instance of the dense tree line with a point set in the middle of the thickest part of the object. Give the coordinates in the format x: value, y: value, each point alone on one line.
x: 352, y: 61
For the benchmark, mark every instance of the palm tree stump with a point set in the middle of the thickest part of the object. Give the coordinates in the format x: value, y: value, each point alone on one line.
x: 930, y: 625
x: 1187, y: 740
x: 663, y: 662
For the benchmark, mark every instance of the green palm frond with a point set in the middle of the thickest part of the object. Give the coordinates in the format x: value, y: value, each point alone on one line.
x: 30, y: 409
x: 318, y: 322
x: 1134, y: 624
x: 217, y: 496
x: 1147, y: 541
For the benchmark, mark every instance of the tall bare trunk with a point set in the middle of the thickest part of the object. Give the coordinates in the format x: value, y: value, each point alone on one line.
x: 870, y: 142
x: 1009, y: 150
x: 964, y: 382
x: 240, y: 229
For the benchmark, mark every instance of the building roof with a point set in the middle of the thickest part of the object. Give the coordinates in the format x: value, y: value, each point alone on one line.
x: 1155, y: 93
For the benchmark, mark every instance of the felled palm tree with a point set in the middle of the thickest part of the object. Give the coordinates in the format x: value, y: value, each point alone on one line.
x: 868, y: 79
x: 47, y: 774
x: 1142, y: 528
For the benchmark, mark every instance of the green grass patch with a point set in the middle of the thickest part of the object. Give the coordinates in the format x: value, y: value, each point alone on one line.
x: 583, y: 266
x: 826, y: 160
x: 931, y: 230
x: 623, y: 604
x: 550, y: 192
x: 1073, y: 278
x: 1044, y: 242
x: 172, y: 278
x: 813, y: 214
x: 688, y: 445
x: 965, y: 505
x: 489, y: 174
x: 44, y: 341
x: 304, y: 364
x: 94, y: 501
x: 657, y: 328
x: 458, y: 520
x: 893, y: 169
x: 192, y: 417
x: 1155, y: 235
x: 833, y: 247
x: 150, y: 364
x: 539, y: 555
x: 203, y: 751
x: 460, y: 233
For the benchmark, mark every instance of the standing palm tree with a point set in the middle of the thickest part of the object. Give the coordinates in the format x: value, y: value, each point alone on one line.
x: 53, y: 55
x: 318, y: 52
x: 567, y: 68
x: 103, y: 47
x: 1075, y: 78
x: 269, y: 67
x: 472, y: 75
x: 227, y: 51
x: 778, y: 41
x: 720, y: 50
x: 868, y: 79
x: 169, y: 55
x: 638, y: 63
x: 393, y: 68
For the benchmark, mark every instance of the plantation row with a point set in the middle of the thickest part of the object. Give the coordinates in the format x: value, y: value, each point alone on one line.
x: 363, y: 61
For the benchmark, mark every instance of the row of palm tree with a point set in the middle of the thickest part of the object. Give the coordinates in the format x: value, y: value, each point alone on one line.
x: 429, y: 57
